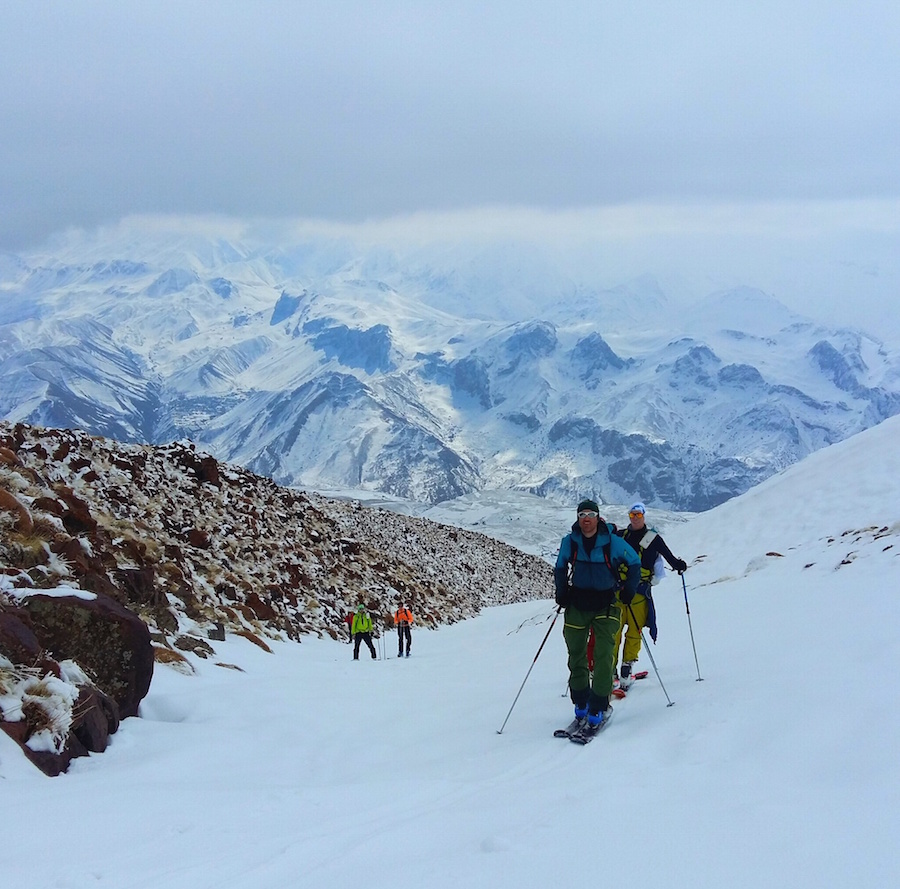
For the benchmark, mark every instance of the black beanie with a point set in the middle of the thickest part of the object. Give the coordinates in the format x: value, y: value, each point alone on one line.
x: 588, y: 504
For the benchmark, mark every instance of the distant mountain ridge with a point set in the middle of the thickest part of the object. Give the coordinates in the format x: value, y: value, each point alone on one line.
x: 325, y: 368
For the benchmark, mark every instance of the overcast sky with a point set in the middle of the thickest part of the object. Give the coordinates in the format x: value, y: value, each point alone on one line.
x: 353, y: 110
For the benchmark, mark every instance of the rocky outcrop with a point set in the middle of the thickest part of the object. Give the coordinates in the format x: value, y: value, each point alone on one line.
x: 103, y: 637
x: 169, y: 545
x: 51, y: 706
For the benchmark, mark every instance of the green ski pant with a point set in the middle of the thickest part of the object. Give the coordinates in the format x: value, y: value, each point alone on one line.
x: 576, y: 630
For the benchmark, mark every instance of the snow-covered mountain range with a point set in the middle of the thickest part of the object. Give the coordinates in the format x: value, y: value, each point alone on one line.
x: 430, y: 377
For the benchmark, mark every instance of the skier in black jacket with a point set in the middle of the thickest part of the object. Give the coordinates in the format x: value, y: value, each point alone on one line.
x: 649, y: 545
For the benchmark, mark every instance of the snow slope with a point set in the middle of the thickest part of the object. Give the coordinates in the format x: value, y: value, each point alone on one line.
x: 307, y: 769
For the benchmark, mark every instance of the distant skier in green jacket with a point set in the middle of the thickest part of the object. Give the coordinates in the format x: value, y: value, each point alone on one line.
x: 361, y: 628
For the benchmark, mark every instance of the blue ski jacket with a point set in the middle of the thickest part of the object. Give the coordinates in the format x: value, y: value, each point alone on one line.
x: 595, y: 570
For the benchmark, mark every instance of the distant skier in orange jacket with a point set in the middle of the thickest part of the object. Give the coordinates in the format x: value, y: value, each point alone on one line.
x: 403, y: 619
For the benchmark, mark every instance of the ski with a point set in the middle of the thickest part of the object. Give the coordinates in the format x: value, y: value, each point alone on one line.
x: 621, y: 692
x: 570, y: 729
x: 587, y: 733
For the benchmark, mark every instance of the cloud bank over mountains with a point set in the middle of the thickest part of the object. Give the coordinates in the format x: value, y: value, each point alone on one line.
x: 835, y: 261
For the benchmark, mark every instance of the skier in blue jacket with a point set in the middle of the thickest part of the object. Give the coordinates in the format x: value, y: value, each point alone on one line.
x: 591, y: 561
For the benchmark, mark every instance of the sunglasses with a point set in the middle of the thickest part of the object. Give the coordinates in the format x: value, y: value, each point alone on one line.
x: 588, y: 514
x: 632, y: 515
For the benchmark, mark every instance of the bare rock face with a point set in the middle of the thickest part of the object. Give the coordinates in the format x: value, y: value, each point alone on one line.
x: 104, y: 638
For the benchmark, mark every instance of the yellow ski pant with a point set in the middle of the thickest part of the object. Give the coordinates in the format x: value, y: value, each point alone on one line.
x: 633, y: 632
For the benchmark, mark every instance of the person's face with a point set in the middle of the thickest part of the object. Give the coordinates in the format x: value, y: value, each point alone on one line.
x: 587, y: 521
x: 637, y: 520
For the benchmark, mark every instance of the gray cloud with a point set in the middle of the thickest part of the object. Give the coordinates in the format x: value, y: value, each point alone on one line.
x: 352, y: 110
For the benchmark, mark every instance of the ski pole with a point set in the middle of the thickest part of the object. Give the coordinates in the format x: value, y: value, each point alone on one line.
x: 687, y: 608
x: 652, y: 659
x: 500, y: 730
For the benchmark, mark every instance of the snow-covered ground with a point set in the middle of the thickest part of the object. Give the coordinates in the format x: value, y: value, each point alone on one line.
x: 307, y: 769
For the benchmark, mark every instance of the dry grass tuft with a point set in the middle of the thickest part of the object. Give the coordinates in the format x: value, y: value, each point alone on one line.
x: 254, y: 639
x: 43, y: 703
x: 174, y: 659
x: 24, y: 551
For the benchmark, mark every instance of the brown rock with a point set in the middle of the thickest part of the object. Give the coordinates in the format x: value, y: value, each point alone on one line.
x: 96, y: 718
x: 18, y: 642
x: 11, y: 503
x: 138, y: 583
x: 209, y: 471
x: 95, y: 715
x: 109, y: 642
x: 51, y: 764
x: 199, y: 647
x: 77, y: 519
x: 9, y: 457
x: 198, y: 538
x: 48, y: 504
x: 71, y: 550
x: 261, y: 610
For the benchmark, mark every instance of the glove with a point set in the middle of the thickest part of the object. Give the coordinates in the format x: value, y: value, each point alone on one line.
x: 644, y: 588
x: 564, y: 597
x: 626, y: 597
x: 680, y: 565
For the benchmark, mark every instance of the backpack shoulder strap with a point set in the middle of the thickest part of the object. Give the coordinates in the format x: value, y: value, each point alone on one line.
x: 619, y: 574
x: 607, y: 547
x: 646, y: 540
